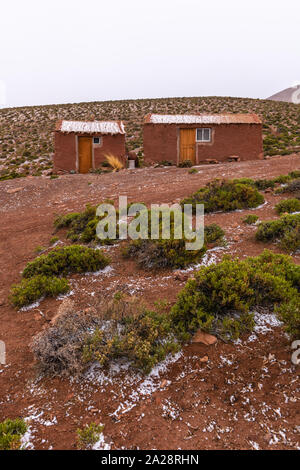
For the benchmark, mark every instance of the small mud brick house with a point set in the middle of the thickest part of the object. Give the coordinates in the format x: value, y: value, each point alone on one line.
x: 82, y: 145
x: 201, y: 137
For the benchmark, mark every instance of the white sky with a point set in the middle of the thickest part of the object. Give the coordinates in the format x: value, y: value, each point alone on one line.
x: 62, y: 51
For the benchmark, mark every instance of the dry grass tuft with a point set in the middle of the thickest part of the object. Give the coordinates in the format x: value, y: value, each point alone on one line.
x: 114, y: 162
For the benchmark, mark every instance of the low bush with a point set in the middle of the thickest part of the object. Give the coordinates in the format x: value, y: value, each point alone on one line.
x: 225, y: 195
x: 220, y: 296
x: 66, y: 260
x: 250, y: 219
x: 285, y: 231
x: 186, y: 164
x: 32, y: 289
x: 172, y: 252
x: 288, y: 205
x: 11, y: 432
x: 88, y: 436
x: 114, y: 162
x: 120, y: 329
x: 292, y: 187
x: 82, y: 225
x: 219, y: 299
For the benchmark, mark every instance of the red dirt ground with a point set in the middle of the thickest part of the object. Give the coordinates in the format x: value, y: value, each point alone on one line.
x: 245, y: 396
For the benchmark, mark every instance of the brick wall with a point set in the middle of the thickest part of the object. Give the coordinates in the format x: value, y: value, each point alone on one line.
x: 65, y: 155
x: 161, y: 142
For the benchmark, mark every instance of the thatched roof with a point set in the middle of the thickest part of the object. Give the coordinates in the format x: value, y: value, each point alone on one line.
x: 91, y: 127
x: 202, y: 119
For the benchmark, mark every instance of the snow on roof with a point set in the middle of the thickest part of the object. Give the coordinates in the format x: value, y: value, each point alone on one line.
x: 92, y: 127
x: 202, y: 119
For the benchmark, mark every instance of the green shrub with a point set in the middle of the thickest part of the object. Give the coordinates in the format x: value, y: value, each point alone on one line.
x: 121, y: 328
x: 192, y: 171
x: 264, y: 184
x: 289, y: 313
x: 220, y: 296
x: 250, y: 219
x: 11, y: 432
x: 288, y: 205
x: 168, y: 253
x: 66, y: 260
x: 225, y: 195
x: 213, y: 233
x: 82, y: 225
x: 292, y: 187
x: 285, y: 230
x: 33, y: 289
x: 88, y: 436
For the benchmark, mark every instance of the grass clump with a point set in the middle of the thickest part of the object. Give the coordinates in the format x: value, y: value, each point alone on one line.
x: 11, y: 432
x: 288, y: 205
x: 225, y: 196
x: 220, y: 296
x: 285, y: 231
x: 114, y: 162
x: 88, y: 436
x: 250, y: 219
x: 32, y: 289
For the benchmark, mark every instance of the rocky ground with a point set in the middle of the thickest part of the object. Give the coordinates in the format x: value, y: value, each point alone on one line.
x: 220, y: 396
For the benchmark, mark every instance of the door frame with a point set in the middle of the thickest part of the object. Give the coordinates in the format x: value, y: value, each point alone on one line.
x: 77, y: 155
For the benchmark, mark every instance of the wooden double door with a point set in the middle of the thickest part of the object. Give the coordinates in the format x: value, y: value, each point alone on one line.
x: 85, y: 154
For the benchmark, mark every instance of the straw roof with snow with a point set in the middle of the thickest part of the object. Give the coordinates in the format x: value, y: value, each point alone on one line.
x: 202, y: 119
x: 91, y: 127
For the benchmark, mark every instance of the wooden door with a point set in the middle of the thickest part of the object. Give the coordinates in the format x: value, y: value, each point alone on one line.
x: 84, y: 154
x: 187, y: 144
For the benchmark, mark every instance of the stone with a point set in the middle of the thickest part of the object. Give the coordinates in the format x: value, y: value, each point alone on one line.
x: 14, y: 190
x: 204, y: 359
x: 179, y: 276
x: 205, y: 338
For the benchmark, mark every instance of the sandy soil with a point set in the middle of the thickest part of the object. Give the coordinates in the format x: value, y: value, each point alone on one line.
x: 245, y: 396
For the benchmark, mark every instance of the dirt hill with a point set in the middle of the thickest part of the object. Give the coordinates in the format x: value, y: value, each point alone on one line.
x: 26, y: 140
x: 289, y: 95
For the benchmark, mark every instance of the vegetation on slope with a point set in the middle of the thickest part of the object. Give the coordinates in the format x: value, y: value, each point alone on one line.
x: 26, y: 139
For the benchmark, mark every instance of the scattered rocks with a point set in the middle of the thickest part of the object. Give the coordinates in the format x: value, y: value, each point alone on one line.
x: 204, y: 359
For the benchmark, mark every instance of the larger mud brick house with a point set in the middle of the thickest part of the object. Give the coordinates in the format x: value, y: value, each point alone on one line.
x: 201, y: 137
x: 82, y: 145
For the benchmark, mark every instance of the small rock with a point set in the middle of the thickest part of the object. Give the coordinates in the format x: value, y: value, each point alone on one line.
x: 14, y: 190
x: 205, y: 338
x: 204, y: 359
x: 179, y: 276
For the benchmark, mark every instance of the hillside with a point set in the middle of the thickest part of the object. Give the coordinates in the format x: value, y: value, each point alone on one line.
x: 26, y: 141
x: 286, y: 95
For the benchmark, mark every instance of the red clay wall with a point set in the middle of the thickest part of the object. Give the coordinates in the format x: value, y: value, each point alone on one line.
x: 65, y: 156
x: 161, y: 142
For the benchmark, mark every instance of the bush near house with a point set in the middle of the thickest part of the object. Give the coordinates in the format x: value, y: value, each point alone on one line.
x: 11, y: 432
x: 285, y: 231
x: 225, y: 195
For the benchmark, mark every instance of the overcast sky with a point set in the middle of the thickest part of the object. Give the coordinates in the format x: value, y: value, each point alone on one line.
x: 61, y: 51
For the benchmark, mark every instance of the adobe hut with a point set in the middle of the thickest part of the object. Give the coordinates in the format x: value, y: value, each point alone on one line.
x: 82, y: 145
x: 201, y: 138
